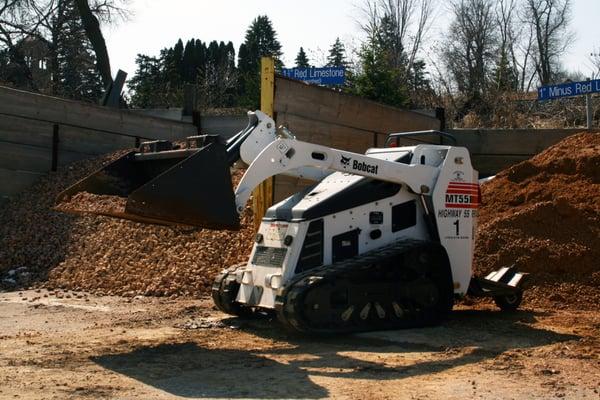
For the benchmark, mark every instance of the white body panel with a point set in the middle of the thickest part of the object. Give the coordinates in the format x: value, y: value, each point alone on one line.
x: 261, y: 136
x: 334, y: 224
x: 265, y: 134
x: 434, y: 173
x: 456, y: 200
x: 267, y: 277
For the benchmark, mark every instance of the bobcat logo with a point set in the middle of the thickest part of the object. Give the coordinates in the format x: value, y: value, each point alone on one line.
x: 346, y: 161
x: 458, y: 176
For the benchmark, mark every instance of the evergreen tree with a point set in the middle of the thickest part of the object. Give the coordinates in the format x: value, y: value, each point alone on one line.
x: 76, y: 74
x: 302, y: 59
x: 260, y: 41
x: 200, y: 57
x: 419, y: 86
x: 230, y: 56
x: 219, y: 84
x: 177, y: 67
x: 386, y: 72
x: 505, y: 77
x: 147, y: 83
x: 388, y: 41
x: 189, y: 70
x: 172, y: 64
x: 229, y: 76
x: 417, y: 77
x: 337, y: 55
x: 377, y: 80
x: 244, y: 62
x: 213, y: 54
x: 337, y: 58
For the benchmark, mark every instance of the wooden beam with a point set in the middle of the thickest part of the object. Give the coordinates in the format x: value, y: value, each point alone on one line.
x: 24, y: 157
x: 26, y: 131
x: 330, y: 106
x: 53, y: 110
x: 262, y: 197
x: 326, y: 134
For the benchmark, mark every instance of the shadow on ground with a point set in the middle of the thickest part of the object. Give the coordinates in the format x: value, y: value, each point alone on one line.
x: 189, y: 370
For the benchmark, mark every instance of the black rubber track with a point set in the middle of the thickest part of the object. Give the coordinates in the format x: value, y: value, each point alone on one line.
x: 403, y: 285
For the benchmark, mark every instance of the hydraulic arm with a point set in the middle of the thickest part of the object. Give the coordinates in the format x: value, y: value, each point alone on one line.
x: 284, y: 155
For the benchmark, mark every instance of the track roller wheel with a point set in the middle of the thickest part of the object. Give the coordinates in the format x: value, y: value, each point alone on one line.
x: 509, y: 302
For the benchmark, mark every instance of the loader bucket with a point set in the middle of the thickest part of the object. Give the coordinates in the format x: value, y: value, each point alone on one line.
x: 190, y: 186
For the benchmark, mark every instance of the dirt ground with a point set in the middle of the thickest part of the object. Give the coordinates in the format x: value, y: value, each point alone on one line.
x: 68, y: 345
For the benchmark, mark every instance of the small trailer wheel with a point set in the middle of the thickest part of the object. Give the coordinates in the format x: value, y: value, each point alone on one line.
x: 509, y: 302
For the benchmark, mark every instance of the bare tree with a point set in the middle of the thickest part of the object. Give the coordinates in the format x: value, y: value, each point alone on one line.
x: 469, y: 51
x: 549, y: 21
x: 595, y: 61
x: 505, y: 12
x: 522, y: 58
x: 94, y: 34
x: 20, y: 19
x: 508, y: 37
x: 405, y: 23
x: 42, y: 18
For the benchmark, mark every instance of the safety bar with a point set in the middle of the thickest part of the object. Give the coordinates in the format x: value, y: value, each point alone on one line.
x: 412, y: 136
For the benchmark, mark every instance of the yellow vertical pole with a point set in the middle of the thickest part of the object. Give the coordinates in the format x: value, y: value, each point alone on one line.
x: 262, y: 197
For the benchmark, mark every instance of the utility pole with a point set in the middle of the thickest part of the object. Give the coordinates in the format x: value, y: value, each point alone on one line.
x: 595, y: 56
x: 589, y: 112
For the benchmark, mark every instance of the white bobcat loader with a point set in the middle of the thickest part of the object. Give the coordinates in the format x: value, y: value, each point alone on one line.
x: 383, y: 240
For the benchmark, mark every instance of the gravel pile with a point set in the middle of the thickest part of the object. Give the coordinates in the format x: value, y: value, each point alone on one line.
x: 107, y: 255
x: 33, y: 236
x: 544, y: 216
x: 89, y: 202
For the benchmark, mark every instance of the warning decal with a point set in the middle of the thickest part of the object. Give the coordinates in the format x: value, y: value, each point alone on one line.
x: 462, y: 195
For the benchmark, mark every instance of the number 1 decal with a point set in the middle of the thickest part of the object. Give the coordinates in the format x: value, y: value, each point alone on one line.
x: 457, y: 223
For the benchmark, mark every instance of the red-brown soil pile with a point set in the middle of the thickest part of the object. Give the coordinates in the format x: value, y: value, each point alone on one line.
x: 544, y: 216
x: 108, y: 255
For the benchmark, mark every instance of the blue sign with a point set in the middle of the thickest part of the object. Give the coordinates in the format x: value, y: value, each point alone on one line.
x: 568, y: 89
x: 319, y: 76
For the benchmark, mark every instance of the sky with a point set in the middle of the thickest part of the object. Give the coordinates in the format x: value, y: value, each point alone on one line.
x: 313, y: 24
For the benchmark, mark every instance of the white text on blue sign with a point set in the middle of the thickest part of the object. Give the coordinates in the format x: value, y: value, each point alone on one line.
x: 319, y: 76
x: 568, y: 89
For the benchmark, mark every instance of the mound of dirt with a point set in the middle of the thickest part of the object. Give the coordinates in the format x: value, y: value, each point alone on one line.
x: 107, y: 255
x: 544, y: 216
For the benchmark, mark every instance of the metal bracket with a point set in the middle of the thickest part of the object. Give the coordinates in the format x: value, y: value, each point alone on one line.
x: 505, y: 281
